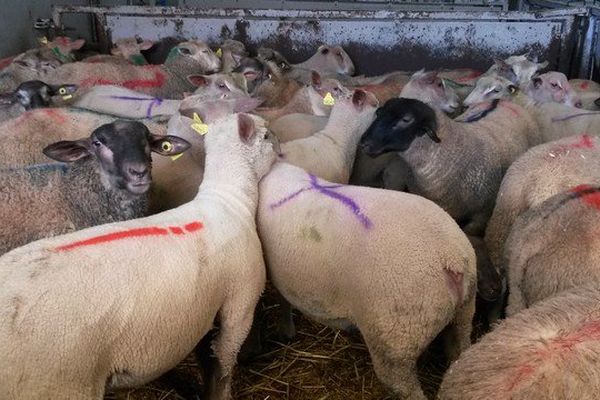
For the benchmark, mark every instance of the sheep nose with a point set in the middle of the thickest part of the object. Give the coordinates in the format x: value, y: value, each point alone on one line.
x: 138, y: 171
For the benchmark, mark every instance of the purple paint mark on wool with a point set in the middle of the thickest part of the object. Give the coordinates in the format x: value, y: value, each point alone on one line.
x: 154, y: 101
x: 559, y: 119
x: 327, y: 191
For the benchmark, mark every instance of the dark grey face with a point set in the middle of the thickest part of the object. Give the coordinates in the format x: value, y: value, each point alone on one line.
x: 397, y: 124
x: 122, y: 151
x: 36, y: 94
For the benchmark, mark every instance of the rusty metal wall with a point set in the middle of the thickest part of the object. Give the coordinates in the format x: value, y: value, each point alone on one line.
x: 378, y: 41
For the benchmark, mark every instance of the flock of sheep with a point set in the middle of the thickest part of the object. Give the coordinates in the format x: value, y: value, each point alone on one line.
x: 464, y: 188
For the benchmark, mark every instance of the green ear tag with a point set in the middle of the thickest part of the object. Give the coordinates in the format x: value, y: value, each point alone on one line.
x: 328, y: 100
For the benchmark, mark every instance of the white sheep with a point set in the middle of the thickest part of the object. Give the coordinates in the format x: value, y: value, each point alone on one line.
x: 132, y: 299
x: 553, y: 247
x: 168, y: 80
x: 542, y: 172
x: 330, y: 152
x: 335, y: 254
x: 550, y: 351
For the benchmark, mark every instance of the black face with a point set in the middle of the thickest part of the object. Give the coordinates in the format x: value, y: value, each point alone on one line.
x: 398, y: 123
x: 123, y: 149
x: 34, y: 94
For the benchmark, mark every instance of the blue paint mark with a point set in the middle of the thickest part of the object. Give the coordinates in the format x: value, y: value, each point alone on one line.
x: 328, y: 191
x: 154, y: 101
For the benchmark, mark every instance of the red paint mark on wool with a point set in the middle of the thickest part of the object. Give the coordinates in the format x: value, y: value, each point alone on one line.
x: 55, y: 114
x: 560, y: 346
x: 473, y: 74
x: 589, y: 195
x: 585, y: 142
x: 5, y: 62
x: 455, y: 283
x: 584, y: 85
x: 158, y: 81
x: 133, y: 233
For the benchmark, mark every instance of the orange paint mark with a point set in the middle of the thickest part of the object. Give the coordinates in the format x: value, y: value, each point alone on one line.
x: 588, y: 194
x: 132, y: 233
x: 158, y: 81
x: 560, y: 346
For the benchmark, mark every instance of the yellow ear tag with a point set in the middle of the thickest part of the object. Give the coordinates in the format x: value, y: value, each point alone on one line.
x: 44, y: 40
x: 219, y: 52
x: 174, y: 158
x: 199, y: 126
x: 328, y: 100
x: 65, y: 95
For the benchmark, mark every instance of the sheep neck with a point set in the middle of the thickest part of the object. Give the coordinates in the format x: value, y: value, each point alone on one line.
x: 229, y: 180
x: 100, y: 201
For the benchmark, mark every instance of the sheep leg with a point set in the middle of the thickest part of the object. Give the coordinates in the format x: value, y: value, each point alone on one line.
x: 516, y: 301
x: 286, y: 329
x: 395, y: 365
x: 458, y: 337
x: 236, y: 321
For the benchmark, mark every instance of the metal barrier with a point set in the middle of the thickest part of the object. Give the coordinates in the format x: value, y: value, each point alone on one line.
x: 378, y: 40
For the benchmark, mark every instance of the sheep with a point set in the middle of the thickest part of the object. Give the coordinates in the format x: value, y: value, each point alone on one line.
x: 518, y: 69
x: 110, y: 176
x: 175, y: 182
x: 121, y: 102
x: 125, y: 103
x: 22, y: 139
x: 165, y: 81
x: 297, y: 126
x: 335, y: 254
x: 160, y: 50
x: 588, y: 91
x: 553, y: 247
x: 33, y: 94
x: 549, y: 352
x: 206, y: 254
x: 232, y: 52
x: 125, y: 51
x: 35, y: 64
x: 543, y: 171
x: 276, y: 90
x: 329, y: 61
x: 389, y: 171
x: 435, y: 147
x: 549, y: 87
x: 317, y: 98
x: 330, y: 152
x: 555, y: 120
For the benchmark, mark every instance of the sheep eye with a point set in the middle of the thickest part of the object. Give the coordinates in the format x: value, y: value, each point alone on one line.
x: 96, y: 143
x: 407, y: 119
x: 184, y: 50
x: 336, y: 89
x: 324, y: 51
x: 496, y: 90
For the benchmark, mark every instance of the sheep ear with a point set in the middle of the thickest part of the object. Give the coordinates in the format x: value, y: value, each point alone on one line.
x: 146, y: 44
x: 542, y: 65
x: 168, y: 145
x: 76, y: 44
x: 431, y: 133
x: 315, y: 79
x: 246, y: 127
x: 428, y: 77
x: 68, y: 150
x: 197, y: 80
